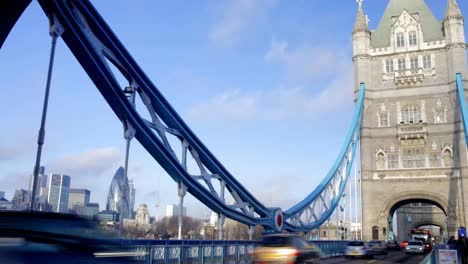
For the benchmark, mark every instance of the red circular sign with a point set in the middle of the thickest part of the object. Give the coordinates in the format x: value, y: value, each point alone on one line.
x: 279, y: 220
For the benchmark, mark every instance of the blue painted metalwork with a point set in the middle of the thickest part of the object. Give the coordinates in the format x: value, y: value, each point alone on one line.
x: 97, y: 49
x: 10, y: 11
x: 463, y: 108
x: 211, y: 251
x: 296, y: 214
x: 191, y: 251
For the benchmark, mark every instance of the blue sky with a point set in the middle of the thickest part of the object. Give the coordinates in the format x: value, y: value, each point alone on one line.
x: 266, y: 85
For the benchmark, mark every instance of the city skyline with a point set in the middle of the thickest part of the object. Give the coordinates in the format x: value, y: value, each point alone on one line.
x: 254, y: 86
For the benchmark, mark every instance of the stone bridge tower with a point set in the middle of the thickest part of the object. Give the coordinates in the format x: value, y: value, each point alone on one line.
x: 412, y: 139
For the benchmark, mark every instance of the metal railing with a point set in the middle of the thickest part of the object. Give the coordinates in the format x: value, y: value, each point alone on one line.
x: 209, y: 251
x: 191, y: 251
x: 441, y: 251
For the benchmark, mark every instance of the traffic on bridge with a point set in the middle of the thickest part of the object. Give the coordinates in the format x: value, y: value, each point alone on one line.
x: 393, y: 193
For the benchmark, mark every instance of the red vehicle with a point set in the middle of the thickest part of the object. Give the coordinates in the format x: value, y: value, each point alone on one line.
x: 427, y: 247
x: 404, y: 244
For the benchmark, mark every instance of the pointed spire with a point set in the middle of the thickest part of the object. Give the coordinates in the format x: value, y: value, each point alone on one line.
x: 453, y: 11
x: 361, y: 20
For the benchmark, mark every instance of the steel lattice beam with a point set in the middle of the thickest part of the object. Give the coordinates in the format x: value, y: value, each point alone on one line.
x: 98, y: 51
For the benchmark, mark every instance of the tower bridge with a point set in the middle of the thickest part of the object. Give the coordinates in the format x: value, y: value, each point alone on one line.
x: 412, y: 138
x: 409, y: 122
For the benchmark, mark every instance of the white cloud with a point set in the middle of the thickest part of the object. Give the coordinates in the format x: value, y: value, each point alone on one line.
x: 92, y: 169
x: 94, y: 160
x: 15, y: 180
x: 88, y: 168
x: 277, y: 50
x: 15, y: 149
x: 231, y: 105
x: 298, y: 103
x: 307, y: 63
x: 238, y: 18
x: 319, y: 80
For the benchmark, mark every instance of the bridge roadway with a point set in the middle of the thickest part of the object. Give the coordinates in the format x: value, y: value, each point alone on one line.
x: 391, y: 257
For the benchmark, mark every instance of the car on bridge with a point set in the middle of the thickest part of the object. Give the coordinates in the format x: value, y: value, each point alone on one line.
x: 358, y: 248
x: 378, y: 247
x: 285, y: 248
x: 393, y: 245
x: 415, y: 247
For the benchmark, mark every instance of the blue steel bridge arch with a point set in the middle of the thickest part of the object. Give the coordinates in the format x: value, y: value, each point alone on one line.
x: 96, y: 47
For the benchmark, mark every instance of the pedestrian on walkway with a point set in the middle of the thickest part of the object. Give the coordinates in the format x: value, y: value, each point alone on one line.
x: 452, y: 240
x: 463, y: 248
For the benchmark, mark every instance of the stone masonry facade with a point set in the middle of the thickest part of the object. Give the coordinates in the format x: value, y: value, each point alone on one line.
x: 413, y: 145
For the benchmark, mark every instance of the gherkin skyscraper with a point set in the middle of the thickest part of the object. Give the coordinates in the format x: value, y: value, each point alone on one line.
x: 115, y: 199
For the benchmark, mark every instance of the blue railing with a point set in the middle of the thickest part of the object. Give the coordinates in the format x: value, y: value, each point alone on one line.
x: 207, y: 251
x: 331, y: 248
x: 191, y: 251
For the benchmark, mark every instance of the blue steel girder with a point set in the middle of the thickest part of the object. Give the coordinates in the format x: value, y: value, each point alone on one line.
x: 99, y: 52
x: 329, y: 192
x: 463, y: 107
x: 97, y: 49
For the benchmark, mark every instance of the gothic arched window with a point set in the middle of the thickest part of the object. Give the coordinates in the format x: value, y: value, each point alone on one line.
x: 427, y: 62
x: 400, y: 40
x: 393, y: 159
x: 389, y: 66
x: 413, y: 40
x: 401, y: 64
x: 414, y: 62
x: 411, y: 113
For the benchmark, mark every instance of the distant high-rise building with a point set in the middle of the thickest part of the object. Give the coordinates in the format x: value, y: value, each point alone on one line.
x: 41, y: 188
x: 115, y: 199
x: 174, y: 210
x: 2, y: 194
x: 142, y: 215
x: 21, y: 200
x: 131, y: 193
x: 108, y: 216
x: 59, y: 186
x: 91, y: 209
x: 78, y: 197
x: 31, y: 179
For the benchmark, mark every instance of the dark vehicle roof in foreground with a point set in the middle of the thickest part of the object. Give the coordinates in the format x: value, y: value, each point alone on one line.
x: 356, y: 243
x: 28, y: 223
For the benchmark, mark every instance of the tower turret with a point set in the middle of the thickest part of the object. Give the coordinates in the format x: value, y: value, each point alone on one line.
x: 361, y: 47
x: 455, y: 38
x: 361, y: 33
x: 454, y: 24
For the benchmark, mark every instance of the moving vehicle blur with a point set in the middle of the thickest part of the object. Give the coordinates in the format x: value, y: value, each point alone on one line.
x: 403, y: 244
x: 393, y: 245
x: 427, y: 247
x: 357, y: 249
x: 39, y: 237
x: 285, y: 248
x: 414, y: 247
x: 378, y: 247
